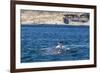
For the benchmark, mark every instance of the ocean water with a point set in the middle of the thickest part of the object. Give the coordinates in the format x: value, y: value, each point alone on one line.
x: 39, y: 41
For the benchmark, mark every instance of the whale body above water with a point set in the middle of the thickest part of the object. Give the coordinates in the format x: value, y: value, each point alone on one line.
x: 54, y: 51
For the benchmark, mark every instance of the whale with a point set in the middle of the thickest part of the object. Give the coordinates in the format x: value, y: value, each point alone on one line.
x: 54, y: 51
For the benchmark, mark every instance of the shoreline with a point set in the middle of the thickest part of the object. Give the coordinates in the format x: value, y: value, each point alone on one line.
x: 70, y: 24
x: 51, y: 25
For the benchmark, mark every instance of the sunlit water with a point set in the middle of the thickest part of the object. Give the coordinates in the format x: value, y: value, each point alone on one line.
x: 38, y: 43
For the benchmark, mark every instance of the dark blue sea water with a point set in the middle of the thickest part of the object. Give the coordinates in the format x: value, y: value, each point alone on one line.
x: 38, y: 43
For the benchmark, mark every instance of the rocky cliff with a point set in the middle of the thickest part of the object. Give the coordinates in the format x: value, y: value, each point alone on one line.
x: 46, y: 17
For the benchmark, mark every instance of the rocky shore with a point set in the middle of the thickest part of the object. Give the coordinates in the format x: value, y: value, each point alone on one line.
x: 51, y: 17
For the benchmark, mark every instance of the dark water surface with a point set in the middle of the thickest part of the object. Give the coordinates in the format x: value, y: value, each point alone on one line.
x: 38, y: 42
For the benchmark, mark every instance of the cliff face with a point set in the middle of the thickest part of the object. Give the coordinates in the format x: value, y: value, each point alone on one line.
x: 44, y: 17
